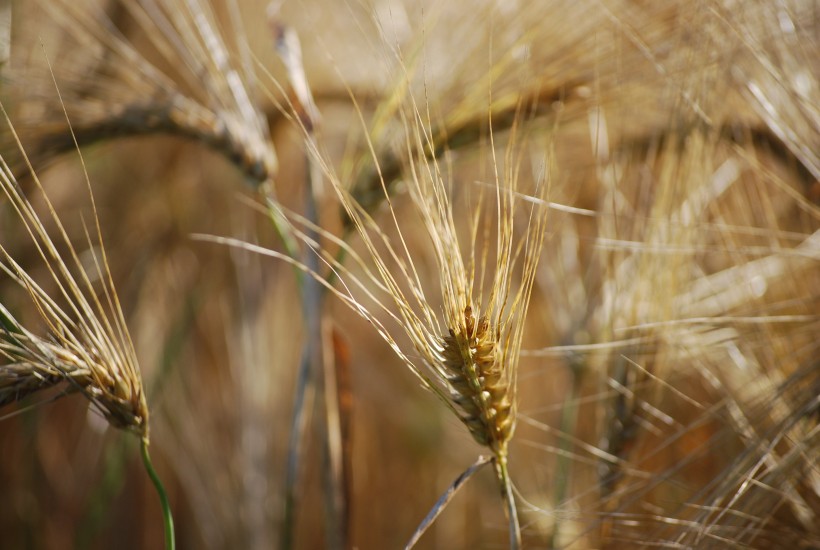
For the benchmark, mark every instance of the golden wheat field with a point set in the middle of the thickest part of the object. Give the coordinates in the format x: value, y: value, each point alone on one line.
x: 391, y: 273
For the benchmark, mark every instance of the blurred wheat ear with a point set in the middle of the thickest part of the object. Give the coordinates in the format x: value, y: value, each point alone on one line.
x: 192, y: 80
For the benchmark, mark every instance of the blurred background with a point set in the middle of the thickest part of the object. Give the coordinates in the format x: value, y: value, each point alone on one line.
x: 669, y: 380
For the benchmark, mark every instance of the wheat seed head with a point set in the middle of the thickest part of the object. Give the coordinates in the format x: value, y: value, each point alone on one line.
x: 86, y: 343
x: 198, y: 84
x: 467, y: 352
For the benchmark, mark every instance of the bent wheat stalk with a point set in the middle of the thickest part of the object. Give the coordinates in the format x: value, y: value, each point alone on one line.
x: 204, y: 93
x: 87, y: 345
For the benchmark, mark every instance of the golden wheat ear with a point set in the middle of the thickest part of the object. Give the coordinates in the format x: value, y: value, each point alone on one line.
x: 466, y: 355
x: 84, y: 341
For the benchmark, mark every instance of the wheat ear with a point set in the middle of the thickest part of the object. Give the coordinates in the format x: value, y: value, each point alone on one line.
x: 87, y: 343
x: 468, y: 357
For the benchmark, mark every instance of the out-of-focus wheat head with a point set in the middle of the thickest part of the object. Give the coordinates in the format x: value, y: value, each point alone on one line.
x: 86, y: 343
x: 697, y: 266
x: 196, y: 80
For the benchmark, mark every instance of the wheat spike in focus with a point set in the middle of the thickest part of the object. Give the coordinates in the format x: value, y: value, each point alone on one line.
x: 467, y: 355
x: 480, y: 386
x: 469, y: 358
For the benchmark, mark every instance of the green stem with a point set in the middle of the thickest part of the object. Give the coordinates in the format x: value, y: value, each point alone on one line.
x: 170, y: 544
x: 500, y: 463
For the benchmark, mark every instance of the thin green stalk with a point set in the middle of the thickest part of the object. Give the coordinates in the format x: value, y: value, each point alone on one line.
x: 112, y: 480
x: 500, y: 463
x: 280, y: 225
x: 170, y: 543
